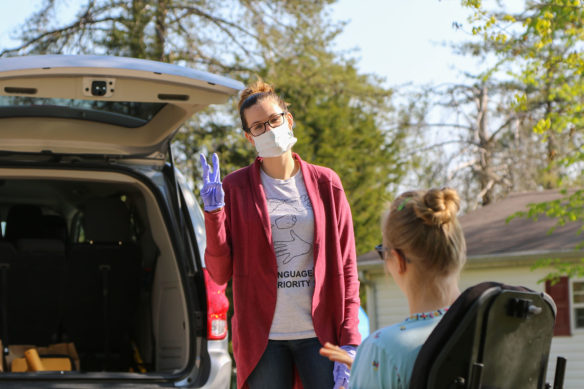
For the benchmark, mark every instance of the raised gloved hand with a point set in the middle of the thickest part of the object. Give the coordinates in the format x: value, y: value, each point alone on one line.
x: 341, y: 372
x: 212, y: 191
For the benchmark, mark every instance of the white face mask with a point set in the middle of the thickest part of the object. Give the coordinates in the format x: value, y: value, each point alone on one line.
x: 275, y: 142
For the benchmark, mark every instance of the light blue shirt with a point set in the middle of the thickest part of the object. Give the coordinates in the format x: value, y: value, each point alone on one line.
x: 386, y: 358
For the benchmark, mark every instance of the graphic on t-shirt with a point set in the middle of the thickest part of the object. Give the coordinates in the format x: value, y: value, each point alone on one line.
x: 285, y: 222
x: 306, y: 201
x: 283, y: 206
x: 291, y: 218
x: 287, y: 250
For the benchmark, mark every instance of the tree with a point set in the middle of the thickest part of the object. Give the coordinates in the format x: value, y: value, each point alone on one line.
x: 541, y: 48
x: 164, y: 30
x: 486, y: 146
x: 341, y: 115
x: 477, y: 142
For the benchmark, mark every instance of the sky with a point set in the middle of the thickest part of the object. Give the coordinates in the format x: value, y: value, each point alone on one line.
x: 399, y: 40
x: 403, y: 40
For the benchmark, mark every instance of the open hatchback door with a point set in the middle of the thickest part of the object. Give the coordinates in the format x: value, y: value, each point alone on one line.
x: 129, y: 107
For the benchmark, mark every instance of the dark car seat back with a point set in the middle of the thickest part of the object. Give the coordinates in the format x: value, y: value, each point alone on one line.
x: 106, y: 221
x: 35, y: 278
x: 493, y: 336
x: 55, y: 227
x: 103, y: 282
x: 23, y: 221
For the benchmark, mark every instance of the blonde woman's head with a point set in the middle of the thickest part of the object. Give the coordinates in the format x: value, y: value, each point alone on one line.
x: 424, y: 227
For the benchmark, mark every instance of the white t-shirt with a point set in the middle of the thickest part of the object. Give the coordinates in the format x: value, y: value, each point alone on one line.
x: 292, y: 221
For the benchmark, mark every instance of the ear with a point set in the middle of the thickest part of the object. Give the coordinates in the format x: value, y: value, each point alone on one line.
x: 249, y: 137
x: 290, y: 119
x: 401, y: 261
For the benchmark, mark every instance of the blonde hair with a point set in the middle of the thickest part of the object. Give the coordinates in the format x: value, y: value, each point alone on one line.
x: 254, y: 93
x: 424, y: 226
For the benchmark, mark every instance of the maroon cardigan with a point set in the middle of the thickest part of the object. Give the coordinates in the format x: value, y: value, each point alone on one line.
x: 239, y: 246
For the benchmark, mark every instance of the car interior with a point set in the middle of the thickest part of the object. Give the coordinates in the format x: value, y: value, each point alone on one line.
x: 86, y: 259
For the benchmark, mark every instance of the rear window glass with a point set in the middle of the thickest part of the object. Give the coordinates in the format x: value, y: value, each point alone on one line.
x: 121, y: 113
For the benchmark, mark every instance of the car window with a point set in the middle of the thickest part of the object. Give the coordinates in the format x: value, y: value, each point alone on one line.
x: 123, y: 113
x: 195, y: 214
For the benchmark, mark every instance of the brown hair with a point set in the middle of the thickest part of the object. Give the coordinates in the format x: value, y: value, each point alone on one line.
x: 423, y: 225
x: 255, y: 93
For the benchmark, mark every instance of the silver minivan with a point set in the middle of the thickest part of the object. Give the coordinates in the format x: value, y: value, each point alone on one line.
x: 102, y: 280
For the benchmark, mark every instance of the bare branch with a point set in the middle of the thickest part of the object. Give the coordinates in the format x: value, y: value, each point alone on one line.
x: 462, y: 166
x: 65, y: 31
x: 219, y: 22
x: 436, y: 145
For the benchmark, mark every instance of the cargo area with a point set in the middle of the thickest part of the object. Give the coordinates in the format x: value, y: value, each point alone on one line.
x: 89, y: 276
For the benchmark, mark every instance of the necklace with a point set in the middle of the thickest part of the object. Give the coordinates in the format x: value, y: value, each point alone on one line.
x: 427, y: 315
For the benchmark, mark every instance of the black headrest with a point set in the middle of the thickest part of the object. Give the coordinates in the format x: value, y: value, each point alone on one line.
x: 24, y: 221
x: 106, y: 220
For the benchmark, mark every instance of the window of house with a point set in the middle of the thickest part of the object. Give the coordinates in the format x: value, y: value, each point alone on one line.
x: 578, y: 303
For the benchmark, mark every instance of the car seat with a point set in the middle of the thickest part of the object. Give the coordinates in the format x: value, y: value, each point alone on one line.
x: 103, y: 286
x: 34, y: 279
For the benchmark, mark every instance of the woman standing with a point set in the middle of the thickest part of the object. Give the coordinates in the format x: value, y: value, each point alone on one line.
x: 424, y: 251
x: 281, y: 229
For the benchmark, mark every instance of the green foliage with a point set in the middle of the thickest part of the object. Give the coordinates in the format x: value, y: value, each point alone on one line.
x: 561, y: 268
x: 543, y: 51
x: 568, y: 209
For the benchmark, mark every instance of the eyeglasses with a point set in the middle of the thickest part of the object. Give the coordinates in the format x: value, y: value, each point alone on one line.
x: 274, y: 121
x: 381, y: 250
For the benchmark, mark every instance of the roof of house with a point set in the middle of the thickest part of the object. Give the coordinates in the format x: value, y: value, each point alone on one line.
x: 488, y: 233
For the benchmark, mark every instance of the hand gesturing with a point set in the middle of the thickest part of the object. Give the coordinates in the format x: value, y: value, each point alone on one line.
x: 212, y: 191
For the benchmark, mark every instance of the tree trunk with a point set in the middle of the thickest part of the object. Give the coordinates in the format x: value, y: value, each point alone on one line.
x: 136, y: 27
x: 161, y: 11
x: 485, y: 148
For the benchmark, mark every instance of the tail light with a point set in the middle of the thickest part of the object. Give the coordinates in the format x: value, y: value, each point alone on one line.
x: 217, y: 307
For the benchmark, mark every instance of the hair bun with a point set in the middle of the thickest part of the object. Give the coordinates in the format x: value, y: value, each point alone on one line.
x: 439, y: 207
x: 257, y: 87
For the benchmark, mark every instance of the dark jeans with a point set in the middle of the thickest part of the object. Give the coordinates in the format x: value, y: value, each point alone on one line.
x: 276, y: 366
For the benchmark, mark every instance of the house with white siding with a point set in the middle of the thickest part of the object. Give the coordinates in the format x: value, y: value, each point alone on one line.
x: 505, y: 252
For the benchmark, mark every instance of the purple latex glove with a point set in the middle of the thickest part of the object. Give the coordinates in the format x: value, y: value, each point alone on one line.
x: 212, y: 191
x: 341, y: 372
